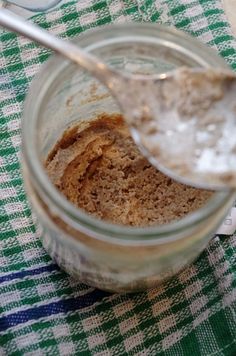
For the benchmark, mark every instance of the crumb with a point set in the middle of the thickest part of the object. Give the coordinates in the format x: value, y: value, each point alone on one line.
x: 100, y: 170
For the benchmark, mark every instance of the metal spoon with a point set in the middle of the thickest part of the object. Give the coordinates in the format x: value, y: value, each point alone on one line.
x: 184, y: 121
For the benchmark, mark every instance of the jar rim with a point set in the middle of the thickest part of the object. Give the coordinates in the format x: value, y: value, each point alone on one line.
x: 41, y: 179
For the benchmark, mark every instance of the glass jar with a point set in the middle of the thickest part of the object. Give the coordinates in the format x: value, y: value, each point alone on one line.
x: 108, y: 256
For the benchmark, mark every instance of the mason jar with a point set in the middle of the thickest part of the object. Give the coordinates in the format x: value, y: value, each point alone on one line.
x: 104, y: 255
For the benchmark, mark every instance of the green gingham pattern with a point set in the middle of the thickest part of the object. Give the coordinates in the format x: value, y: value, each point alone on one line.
x: 191, y: 314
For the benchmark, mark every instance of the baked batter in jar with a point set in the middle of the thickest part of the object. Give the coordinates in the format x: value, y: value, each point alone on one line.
x: 98, y: 167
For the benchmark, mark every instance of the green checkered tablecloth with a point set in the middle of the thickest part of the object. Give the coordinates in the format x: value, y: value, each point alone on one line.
x: 43, y: 311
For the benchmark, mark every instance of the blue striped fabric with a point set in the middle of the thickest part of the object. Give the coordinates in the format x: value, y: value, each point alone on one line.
x: 61, y: 306
x: 31, y: 272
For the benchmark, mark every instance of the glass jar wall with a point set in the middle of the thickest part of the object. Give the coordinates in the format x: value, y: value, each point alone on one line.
x: 108, y: 256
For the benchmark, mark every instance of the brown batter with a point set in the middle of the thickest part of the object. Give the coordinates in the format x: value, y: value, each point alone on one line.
x: 99, y: 169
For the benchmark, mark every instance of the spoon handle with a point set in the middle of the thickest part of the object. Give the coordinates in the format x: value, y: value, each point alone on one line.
x: 66, y: 48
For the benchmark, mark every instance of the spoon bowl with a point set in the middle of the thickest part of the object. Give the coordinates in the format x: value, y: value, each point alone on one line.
x: 188, y: 130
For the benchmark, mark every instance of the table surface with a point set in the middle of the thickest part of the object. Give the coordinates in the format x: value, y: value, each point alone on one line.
x: 230, y: 9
